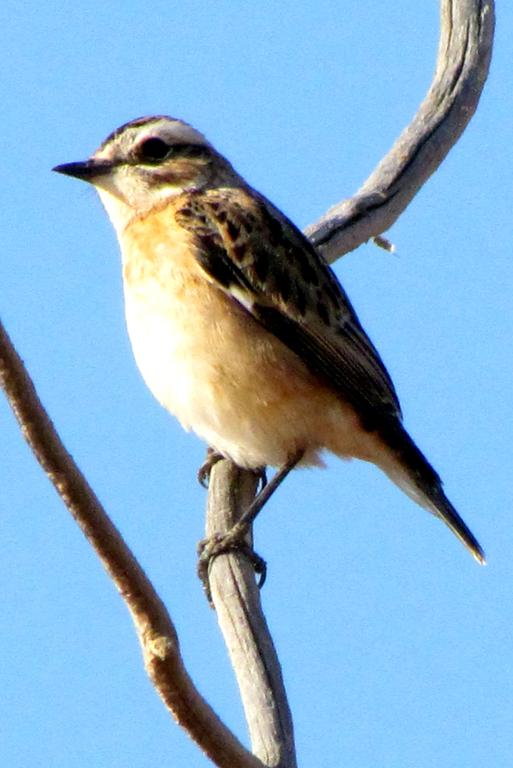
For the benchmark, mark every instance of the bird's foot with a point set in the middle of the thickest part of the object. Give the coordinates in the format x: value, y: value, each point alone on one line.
x: 204, y: 471
x: 212, y: 458
x: 262, y: 477
x: 235, y: 538
x: 233, y: 541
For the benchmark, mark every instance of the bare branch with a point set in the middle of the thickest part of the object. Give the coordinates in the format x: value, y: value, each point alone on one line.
x: 464, y: 54
x: 462, y: 67
x: 236, y: 598
x: 156, y: 632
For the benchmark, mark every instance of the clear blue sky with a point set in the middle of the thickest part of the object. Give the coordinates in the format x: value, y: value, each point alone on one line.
x: 396, y: 647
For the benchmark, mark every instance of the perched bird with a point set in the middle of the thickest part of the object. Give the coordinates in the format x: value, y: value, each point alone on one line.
x: 239, y: 327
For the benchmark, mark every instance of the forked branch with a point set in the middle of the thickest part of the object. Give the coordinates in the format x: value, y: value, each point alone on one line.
x: 463, y: 59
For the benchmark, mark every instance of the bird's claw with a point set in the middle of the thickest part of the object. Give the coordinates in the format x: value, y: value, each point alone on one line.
x: 206, y: 468
x: 233, y: 541
x: 262, y: 477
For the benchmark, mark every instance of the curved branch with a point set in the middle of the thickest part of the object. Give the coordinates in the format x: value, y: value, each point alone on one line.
x: 463, y: 60
x: 462, y: 67
x: 156, y: 632
x: 464, y: 54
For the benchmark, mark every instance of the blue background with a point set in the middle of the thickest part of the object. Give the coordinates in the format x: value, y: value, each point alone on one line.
x: 396, y: 647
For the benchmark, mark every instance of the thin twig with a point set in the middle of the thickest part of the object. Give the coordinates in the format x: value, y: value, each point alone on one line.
x: 156, y: 632
x: 464, y: 52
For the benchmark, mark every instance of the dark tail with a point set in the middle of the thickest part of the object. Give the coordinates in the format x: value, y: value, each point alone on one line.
x: 415, y: 476
x: 439, y: 504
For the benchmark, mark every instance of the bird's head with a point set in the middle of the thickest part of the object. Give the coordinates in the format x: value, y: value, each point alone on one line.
x: 147, y: 161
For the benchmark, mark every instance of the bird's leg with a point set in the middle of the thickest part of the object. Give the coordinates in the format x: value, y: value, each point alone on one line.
x: 234, y: 539
x: 268, y: 488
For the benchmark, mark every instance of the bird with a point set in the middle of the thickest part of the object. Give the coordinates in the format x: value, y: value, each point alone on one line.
x: 239, y: 327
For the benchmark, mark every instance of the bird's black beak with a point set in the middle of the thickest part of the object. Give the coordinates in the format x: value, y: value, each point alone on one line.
x: 88, y: 170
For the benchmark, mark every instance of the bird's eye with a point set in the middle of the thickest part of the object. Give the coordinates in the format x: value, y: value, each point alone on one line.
x: 153, y: 149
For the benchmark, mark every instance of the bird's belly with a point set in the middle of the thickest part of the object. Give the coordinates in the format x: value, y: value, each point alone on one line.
x: 223, y: 376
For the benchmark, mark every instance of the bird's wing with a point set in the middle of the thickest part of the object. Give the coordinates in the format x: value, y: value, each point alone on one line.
x: 258, y: 257
x: 253, y: 253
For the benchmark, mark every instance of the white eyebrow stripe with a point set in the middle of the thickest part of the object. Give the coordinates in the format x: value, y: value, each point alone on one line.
x: 171, y: 131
